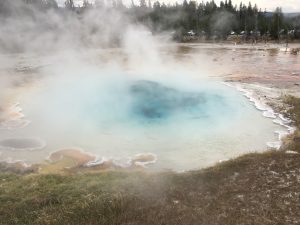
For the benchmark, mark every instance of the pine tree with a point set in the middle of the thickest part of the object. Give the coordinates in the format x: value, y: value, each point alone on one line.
x: 277, y: 23
x: 143, y: 4
x: 69, y: 4
x: 149, y: 4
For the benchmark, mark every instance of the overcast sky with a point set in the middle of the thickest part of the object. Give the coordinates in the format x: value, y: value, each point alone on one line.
x: 270, y: 5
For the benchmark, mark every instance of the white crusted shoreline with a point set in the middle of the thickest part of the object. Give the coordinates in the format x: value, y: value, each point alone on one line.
x: 260, y: 98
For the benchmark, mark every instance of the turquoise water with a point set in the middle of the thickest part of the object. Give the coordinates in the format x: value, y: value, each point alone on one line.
x: 146, y: 104
x: 187, y: 125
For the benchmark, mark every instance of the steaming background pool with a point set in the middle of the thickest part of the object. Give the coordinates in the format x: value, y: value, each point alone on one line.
x: 186, y: 125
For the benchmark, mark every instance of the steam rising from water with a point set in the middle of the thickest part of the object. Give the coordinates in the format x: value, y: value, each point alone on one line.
x: 114, y: 113
x: 120, y: 102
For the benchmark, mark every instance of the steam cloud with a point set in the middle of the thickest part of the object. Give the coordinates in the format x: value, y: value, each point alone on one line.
x: 72, y: 66
x: 28, y: 28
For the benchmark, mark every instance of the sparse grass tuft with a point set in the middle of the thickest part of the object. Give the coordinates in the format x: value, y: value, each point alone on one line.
x: 292, y: 143
x: 294, y: 110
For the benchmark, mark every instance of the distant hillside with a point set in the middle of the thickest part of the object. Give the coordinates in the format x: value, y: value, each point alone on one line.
x: 288, y: 15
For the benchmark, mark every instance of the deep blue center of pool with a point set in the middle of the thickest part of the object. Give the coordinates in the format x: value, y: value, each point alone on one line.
x: 155, y: 102
x: 152, y: 100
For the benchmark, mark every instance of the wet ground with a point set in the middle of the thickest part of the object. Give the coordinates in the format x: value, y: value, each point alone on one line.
x: 270, y: 65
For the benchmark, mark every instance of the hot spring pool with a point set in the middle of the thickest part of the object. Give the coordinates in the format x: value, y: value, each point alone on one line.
x: 185, y: 125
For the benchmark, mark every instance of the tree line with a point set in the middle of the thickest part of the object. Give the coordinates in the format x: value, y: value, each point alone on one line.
x: 205, y: 18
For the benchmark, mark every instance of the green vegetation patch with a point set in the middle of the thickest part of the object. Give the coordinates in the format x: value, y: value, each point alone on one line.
x: 292, y: 142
